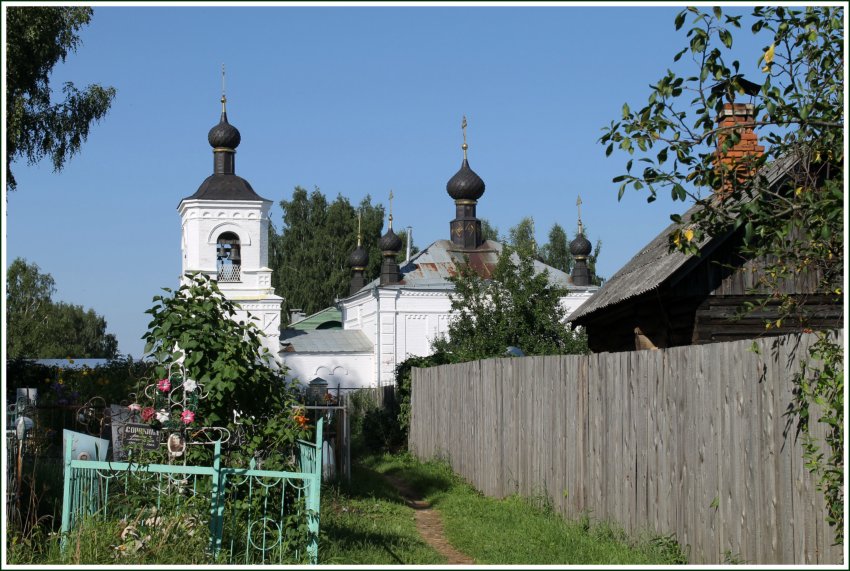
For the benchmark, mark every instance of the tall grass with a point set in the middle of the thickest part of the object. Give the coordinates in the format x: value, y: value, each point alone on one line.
x: 519, y: 530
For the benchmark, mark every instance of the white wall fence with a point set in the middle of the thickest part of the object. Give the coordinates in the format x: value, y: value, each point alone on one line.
x: 688, y: 441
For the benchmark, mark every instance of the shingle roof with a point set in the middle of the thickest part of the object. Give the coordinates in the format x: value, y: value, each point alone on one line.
x: 654, y: 264
x: 326, y: 341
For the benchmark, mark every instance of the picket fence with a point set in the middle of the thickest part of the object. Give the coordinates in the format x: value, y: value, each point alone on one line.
x: 692, y: 441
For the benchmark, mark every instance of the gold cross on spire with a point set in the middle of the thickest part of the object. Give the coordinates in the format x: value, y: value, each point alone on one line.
x: 391, y: 209
x: 359, y: 232
x: 463, y: 129
x: 578, y: 206
x: 223, y: 96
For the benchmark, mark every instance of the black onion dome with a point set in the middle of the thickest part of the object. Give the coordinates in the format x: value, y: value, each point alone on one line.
x: 389, y: 242
x: 465, y: 184
x: 224, y: 134
x: 580, y: 246
x: 358, y: 258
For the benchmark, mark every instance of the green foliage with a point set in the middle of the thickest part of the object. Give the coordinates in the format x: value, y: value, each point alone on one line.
x: 556, y: 252
x: 403, y: 378
x: 489, y: 231
x: 194, y: 327
x: 39, y: 328
x: 793, y: 228
x: 37, y: 39
x: 373, y: 427
x: 514, y: 308
x: 310, y: 256
x: 797, y: 227
x: 819, y: 397
x: 58, y: 385
x: 521, y: 238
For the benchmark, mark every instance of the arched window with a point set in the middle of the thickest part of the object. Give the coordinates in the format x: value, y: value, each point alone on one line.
x: 228, y: 258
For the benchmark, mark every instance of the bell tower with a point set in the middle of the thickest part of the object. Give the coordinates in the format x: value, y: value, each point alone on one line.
x: 225, y: 235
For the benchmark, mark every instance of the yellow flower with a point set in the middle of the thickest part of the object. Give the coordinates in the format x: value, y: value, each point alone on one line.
x: 689, y: 235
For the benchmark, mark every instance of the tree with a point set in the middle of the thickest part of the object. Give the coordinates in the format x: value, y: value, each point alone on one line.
x: 796, y: 227
x: 488, y: 231
x: 37, y: 39
x: 38, y: 327
x: 310, y: 256
x: 515, y: 308
x: 28, y: 301
x: 521, y: 238
x: 556, y: 252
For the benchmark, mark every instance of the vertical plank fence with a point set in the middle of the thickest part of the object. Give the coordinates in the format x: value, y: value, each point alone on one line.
x: 690, y: 441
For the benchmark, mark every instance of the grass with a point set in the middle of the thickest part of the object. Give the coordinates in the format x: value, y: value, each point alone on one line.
x: 520, y: 531
x: 369, y: 524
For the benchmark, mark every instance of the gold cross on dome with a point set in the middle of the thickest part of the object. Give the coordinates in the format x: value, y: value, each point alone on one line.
x: 391, y: 208
x: 578, y: 206
x: 359, y: 232
x: 464, y: 146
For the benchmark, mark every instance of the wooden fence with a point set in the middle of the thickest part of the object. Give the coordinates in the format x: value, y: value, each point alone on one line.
x: 690, y: 441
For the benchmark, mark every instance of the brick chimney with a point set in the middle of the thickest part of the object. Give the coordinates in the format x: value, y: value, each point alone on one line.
x: 737, y: 158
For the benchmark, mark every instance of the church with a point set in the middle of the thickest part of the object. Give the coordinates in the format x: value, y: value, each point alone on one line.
x: 383, y: 322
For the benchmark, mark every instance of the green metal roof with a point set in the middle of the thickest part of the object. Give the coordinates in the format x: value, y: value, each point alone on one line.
x: 328, y: 318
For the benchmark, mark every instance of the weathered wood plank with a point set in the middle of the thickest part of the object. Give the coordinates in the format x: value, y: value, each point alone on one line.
x: 688, y: 441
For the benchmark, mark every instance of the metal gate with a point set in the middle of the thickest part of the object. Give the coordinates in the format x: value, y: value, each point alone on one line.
x: 254, y: 515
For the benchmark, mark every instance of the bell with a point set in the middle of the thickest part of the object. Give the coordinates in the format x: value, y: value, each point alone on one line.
x: 220, y: 252
x: 234, y: 254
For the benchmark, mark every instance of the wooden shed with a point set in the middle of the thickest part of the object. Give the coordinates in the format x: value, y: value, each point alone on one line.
x: 668, y: 299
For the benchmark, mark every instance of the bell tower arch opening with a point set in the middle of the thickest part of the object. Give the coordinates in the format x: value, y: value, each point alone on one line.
x: 228, y: 258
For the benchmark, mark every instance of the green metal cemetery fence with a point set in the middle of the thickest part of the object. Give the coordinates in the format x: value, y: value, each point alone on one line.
x: 255, y: 516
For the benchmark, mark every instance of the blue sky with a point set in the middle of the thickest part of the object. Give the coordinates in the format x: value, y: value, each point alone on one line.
x: 355, y: 100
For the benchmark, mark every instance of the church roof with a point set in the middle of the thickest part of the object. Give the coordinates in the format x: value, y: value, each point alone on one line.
x: 330, y: 316
x: 433, y: 266
x: 225, y: 187
x: 325, y: 341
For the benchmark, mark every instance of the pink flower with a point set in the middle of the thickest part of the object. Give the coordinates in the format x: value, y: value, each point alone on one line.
x: 188, y: 417
x: 164, y: 385
x: 147, y: 413
x: 135, y: 407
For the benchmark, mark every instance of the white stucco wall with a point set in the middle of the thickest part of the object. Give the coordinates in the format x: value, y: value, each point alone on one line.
x: 203, y: 221
x: 344, y: 370
x: 402, y: 322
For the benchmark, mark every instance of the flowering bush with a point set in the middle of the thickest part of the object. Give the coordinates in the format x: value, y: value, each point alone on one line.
x: 224, y: 369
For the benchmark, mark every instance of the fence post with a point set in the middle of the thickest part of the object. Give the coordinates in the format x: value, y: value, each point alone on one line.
x: 216, y: 507
x: 314, y: 497
x: 66, y: 495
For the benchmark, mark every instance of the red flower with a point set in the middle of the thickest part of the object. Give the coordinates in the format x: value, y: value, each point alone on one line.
x: 187, y: 416
x: 147, y: 413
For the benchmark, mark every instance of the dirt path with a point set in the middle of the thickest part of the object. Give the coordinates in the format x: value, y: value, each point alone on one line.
x: 428, y: 523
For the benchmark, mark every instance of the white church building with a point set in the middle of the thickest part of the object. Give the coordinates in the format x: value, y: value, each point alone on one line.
x: 398, y: 315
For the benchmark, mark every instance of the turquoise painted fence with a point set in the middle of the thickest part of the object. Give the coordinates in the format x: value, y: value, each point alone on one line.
x: 254, y: 515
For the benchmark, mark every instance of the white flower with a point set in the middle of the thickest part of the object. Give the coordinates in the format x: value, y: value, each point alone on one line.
x: 162, y: 416
x: 189, y: 385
